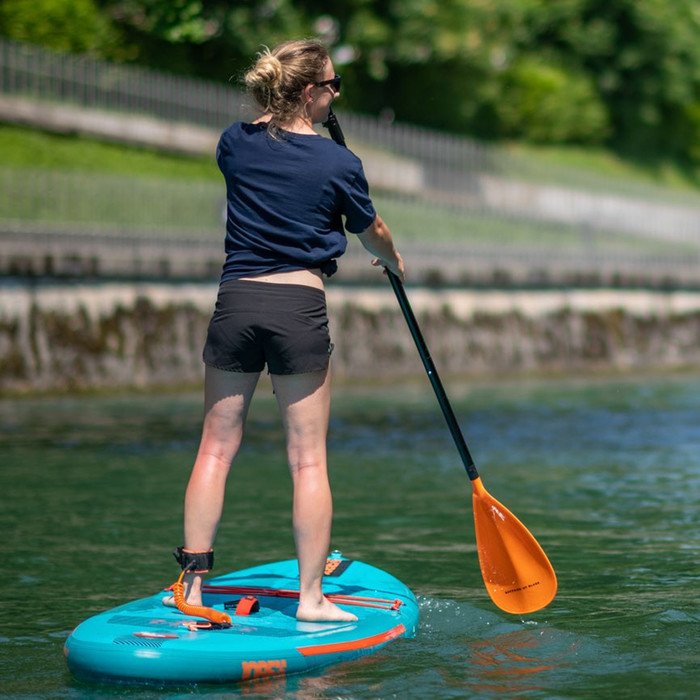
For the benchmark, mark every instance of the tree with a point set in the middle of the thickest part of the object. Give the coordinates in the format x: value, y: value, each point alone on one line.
x: 209, y: 38
x: 66, y: 25
x: 643, y: 57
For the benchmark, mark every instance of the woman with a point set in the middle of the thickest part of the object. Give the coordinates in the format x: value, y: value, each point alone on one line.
x: 288, y: 189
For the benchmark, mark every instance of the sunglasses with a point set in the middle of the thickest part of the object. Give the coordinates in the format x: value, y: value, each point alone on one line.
x: 334, y: 82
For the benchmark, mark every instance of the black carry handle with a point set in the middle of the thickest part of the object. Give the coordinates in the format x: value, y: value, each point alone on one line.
x: 337, y: 135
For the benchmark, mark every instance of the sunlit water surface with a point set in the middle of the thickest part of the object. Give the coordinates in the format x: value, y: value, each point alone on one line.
x: 605, y: 474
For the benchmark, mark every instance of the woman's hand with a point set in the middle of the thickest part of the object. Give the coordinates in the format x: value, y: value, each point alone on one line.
x: 378, y: 241
x: 395, y: 266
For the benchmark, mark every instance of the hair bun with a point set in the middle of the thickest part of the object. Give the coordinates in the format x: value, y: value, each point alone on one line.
x: 278, y: 78
x: 266, y: 73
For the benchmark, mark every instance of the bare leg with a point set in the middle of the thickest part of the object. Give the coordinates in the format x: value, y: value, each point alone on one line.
x: 304, y: 401
x: 227, y: 397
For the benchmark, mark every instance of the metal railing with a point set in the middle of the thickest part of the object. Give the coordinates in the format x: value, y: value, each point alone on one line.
x: 32, y: 71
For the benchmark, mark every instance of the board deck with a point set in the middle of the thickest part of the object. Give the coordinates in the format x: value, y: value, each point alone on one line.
x: 145, y: 641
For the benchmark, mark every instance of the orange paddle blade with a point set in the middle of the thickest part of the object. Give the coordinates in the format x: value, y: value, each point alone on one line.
x: 517, y: 573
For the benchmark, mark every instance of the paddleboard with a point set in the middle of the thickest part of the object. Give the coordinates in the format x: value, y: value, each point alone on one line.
x: 145, y: 641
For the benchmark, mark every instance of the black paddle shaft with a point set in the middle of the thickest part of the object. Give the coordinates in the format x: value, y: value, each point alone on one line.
x: 433, y: 376
x: 337, y: 135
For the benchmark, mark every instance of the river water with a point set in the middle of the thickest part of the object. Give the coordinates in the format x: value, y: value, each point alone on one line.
x: 605, y: 473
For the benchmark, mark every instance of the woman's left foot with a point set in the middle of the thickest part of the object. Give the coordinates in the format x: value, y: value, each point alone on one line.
x: 193, y: 591
x: 325, y: 611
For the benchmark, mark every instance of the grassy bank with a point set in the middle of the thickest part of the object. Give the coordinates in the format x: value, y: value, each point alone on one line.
x: 30, y: 148
x: 595, y: 168
x: 24, y: 147
x: 112, y: 185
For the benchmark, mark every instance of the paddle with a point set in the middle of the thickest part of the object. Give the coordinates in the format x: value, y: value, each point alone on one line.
x: 517, y: 574
x: 516, y: 571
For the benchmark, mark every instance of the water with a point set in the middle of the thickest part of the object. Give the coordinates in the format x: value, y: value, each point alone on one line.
x: 605, y: 474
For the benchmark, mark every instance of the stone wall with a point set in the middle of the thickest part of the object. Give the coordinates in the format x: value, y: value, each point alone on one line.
x: 104, y: 336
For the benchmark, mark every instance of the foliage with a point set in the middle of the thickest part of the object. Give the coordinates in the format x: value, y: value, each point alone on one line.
x: 66, y: 25
x: 210, y: 38
x: 643, y: 56
x: 544, y: 103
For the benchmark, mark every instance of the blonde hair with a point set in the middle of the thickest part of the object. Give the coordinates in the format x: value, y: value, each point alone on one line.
x: 278, y: 78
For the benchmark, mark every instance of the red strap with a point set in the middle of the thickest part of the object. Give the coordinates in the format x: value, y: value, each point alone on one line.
x: 247, y: 605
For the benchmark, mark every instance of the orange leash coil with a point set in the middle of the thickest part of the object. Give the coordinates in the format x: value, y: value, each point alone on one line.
x: 216, y: 616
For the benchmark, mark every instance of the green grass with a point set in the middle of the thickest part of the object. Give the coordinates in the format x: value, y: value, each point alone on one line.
x: 424, y: 223
x: 22, y: 147
x: 104, y: 183
x: 108, y: 201
x: 597, y: 169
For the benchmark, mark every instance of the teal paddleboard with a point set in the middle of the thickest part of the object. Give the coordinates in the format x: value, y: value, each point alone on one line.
x: 145, y: 641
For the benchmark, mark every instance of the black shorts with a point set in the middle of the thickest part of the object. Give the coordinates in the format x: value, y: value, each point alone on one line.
x: 282, y: 325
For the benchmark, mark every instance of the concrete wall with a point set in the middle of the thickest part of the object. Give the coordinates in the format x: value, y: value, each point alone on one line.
x: 75, y: 337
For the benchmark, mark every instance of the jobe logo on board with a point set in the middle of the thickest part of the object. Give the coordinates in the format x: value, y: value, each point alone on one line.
x: 261, y: 669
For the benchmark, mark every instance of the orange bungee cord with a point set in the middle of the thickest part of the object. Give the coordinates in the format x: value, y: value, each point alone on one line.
x: 215, y: 616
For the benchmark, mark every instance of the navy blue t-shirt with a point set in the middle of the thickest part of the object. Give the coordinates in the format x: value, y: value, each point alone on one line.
x: 286, y: 200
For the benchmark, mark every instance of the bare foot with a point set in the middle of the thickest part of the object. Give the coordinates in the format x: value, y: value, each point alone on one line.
x: 325, y: 611
x: 193, y: 591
